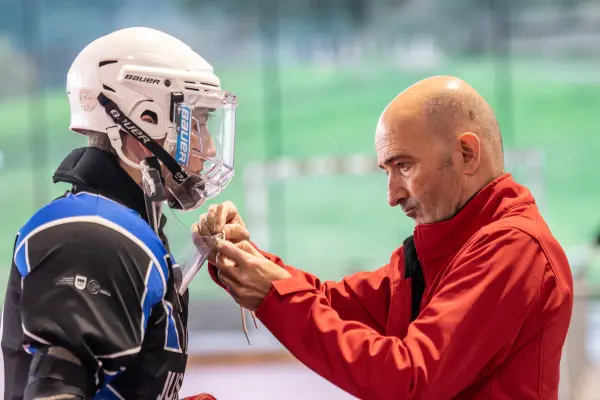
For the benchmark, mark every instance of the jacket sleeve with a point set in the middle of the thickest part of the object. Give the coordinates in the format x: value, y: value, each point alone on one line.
x: 363, y: 297
x: 89, y: 289
x: 439, y: 356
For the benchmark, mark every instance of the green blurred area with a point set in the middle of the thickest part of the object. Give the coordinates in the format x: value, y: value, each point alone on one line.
x: 336, y: 225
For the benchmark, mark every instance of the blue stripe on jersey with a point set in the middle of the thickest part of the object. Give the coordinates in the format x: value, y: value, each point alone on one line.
x: 154, y: 288
x: 106, y: 394
x: 84, y: 204
x: 172, y: 338
x: 21, y: 260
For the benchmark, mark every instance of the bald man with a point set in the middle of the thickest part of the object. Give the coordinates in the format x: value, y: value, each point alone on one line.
x: 474, y: 305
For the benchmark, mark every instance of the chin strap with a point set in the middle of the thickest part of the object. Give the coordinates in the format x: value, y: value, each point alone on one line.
x: 115, y: 140
x: 154, y: 193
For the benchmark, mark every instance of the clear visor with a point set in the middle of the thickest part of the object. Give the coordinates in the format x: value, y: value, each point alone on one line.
x: 204, y: 148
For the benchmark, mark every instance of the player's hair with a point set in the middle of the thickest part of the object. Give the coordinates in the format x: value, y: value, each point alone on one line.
x: 100, y: 141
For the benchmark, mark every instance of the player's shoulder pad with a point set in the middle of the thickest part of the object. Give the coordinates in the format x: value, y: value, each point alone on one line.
x: 96, y: 209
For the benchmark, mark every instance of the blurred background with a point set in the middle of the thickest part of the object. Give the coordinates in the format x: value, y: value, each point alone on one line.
x: 312, y: 78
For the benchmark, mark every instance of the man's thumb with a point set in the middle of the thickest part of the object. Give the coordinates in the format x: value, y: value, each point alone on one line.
x: 230, y: 251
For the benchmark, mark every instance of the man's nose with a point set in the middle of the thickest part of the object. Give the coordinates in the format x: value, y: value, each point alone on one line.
x: 397, y: 192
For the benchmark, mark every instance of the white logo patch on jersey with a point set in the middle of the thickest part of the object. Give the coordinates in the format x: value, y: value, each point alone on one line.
x: 80, y: 282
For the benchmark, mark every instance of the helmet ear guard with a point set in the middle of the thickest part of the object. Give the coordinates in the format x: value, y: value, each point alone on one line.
x: 151, y: 117
x: 114, y: 134
x: 129, y: 127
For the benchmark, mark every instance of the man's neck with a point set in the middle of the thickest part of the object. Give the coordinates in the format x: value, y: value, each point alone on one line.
x: 475, y: 186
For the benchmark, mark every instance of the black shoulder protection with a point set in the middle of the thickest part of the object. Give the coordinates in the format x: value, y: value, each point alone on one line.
x: 50, y: 376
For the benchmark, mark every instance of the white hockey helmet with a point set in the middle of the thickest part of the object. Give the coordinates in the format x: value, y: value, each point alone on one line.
x: 148, y: 84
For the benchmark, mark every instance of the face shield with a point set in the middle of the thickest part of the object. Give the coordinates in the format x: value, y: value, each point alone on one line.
x: 203, y: 147
x: 197, y: 156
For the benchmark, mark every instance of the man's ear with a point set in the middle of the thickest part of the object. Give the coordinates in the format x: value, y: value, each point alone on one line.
x: 470, y: 147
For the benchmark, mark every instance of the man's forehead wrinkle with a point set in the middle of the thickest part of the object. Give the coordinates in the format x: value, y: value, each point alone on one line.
x: 387, y: 143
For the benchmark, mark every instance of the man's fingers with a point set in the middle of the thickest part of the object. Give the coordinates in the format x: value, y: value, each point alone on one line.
x: 211, y: 216
x: 226, y: 213
x: 225, y: 264
x: 229, y: 283
x: 217, y: 218
x: 247, y: 247
x: 224, y: 279
x: 231, y: 213
x: 220, y: 218
x: 200, y: 226
x: 236, y: 233
x: 229, y: 250
x: 226, y: 268
x: 219, y: 215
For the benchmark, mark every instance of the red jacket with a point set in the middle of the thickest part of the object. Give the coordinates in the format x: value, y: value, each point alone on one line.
x: 493, y: 318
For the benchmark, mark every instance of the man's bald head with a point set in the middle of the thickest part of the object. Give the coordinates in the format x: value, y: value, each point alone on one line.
x: 449, y: 106
x: 446, y: 137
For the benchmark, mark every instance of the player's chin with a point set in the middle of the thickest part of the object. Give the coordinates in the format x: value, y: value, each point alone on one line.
x: 172, y: 201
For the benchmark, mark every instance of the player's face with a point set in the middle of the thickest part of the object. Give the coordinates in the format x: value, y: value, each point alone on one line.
x: 424, y: 176
x: 201, y: 146
x: 201, y: 141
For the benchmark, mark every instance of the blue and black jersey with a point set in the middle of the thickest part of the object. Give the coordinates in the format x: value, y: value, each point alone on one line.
x: 91, y: 276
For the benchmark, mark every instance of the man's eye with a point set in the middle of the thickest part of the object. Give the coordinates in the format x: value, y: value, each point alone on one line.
x: 402, y: 166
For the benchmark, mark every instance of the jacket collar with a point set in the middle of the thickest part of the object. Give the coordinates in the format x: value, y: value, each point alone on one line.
x: 438, y: 242
x: 95, y: 171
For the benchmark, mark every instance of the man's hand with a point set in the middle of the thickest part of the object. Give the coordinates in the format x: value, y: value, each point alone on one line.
x: 222, y: 218
x: 246, y: 273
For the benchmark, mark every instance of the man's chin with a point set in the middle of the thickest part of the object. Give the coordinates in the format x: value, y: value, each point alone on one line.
x: 420, y: 219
